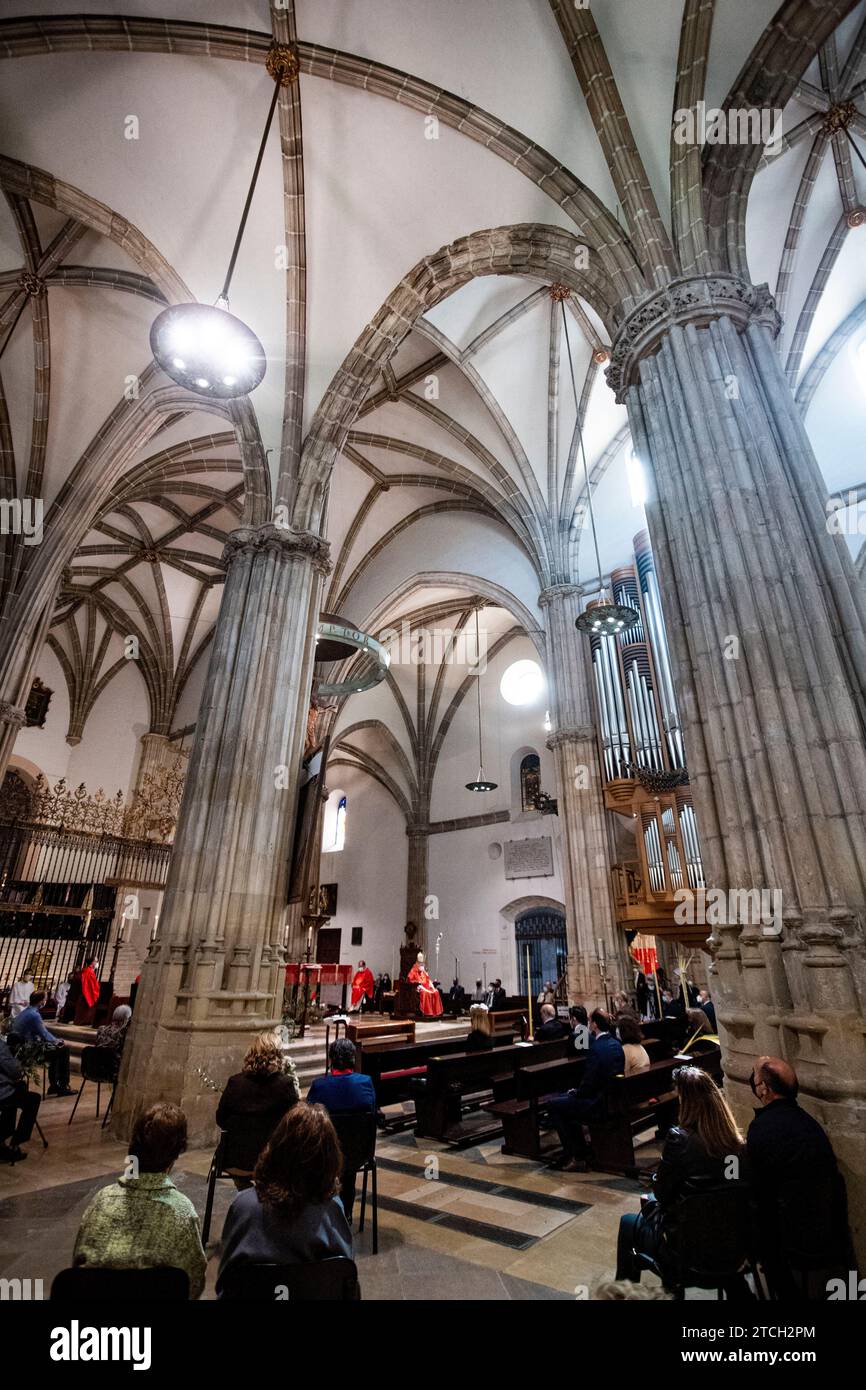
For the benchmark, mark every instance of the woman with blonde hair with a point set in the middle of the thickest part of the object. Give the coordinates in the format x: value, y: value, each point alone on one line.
x: 252, y: 1104
x: 704, y: 1149
x: 481, y: 1037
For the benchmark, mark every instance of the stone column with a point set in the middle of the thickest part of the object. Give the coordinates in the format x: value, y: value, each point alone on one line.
x: 585, y: 852
x: 766, y: 626
x: 213, y: 976
x: 417, y: 871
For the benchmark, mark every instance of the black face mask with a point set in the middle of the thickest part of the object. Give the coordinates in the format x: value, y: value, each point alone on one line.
x: 752, y: 1084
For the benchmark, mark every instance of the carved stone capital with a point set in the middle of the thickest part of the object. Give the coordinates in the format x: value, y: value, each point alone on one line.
x: 281, y: 540
x: 555, y: 592
x: 688, y: 300
x: 579, y: 733
x: 12, y: 714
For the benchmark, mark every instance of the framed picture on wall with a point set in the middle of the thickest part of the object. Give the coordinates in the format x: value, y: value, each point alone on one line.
x: 327, y: 900
x: 357, y: 936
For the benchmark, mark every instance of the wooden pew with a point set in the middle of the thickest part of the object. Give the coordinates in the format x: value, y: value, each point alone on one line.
x: 366, y: 1030
x: 509, y: 1021
x: 464, y: 1080
x: 521, y: 1113
x: 637, y: 1103
x: 393, y: 1065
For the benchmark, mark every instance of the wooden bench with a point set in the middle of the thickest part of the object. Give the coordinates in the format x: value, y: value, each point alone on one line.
x: 393, y: 1065
x: 509, y: 1021
x: 465, y: 1080
x: 634, y: 1104
x: 381, y: 1030
x: 520, y: 1115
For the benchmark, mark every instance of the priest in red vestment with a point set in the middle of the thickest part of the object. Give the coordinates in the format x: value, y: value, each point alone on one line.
x: 429, y: 998
x: 89, y: 993
x: 362, y: 985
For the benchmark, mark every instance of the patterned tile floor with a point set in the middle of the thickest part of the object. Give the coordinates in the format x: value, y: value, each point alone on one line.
x: 470, y: 1224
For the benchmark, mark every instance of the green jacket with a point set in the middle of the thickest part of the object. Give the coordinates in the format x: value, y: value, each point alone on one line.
x: 138, y: 1223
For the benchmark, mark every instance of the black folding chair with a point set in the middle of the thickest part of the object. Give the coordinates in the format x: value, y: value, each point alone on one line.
x: 326, y: 1281
x: 356, y: 1131
x: 235, y: 1156
x: 710, y: 1241
x: 100, y: 1065
x: 86, y: 1284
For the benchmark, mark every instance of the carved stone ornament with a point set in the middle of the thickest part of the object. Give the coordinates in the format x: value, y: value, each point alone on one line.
x: 12, y: 714
x: 282, y: 540
x: 555, y: 592
x: 689, y: 300
x: 579, y: 734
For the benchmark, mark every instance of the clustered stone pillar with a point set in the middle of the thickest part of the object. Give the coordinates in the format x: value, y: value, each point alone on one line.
x: 417, y: 878
x: 214, y: 974
x: 585, y: 852
x: 765, y: 618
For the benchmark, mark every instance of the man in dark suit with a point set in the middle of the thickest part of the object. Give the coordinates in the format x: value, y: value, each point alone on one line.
x: 497, y: 996
x: 568, y: 1112
x: 802, y: 1208
x: 344, y: 1091
x: 709, y: 1008
x: 550, y: 1028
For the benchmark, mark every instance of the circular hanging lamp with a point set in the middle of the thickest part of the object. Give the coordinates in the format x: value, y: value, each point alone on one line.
x: 481, y: 783
x: 206, y: 349
x: 203, y: 347
x: 338, y: 640
x: 603, y: 616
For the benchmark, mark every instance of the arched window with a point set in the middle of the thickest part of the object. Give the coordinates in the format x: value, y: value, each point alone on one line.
x: 530, y: 781
x: 334, y: 828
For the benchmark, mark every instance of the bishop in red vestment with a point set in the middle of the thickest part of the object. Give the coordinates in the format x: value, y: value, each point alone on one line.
x: 362, y: 984
x: 429, y: 997
x: 89, y: 994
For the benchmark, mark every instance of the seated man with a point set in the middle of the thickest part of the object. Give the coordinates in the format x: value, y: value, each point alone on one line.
x: 15, y: 1096
x: 567, y: 1112
x: 344, y: 1091
x: 29, y: 1028
x: 579, y: 1019
x: 497, y: 996
x: 550, y: 1028
x: 802, y: 1210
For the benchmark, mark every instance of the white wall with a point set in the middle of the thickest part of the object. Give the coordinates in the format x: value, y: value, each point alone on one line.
x: 108, y: 752
x: 370, y: 872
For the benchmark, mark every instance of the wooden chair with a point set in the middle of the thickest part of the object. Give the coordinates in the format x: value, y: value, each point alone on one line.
x: 85, y: 1284
x: 326, y: 1281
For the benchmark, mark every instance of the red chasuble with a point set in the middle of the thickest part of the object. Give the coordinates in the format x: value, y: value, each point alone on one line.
x: 362, y: 983
x: 428, y: 997
x: 89, y: 986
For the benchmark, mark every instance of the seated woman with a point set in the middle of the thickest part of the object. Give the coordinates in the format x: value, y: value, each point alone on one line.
x: 696, y: 1154
x: 698, y: 1024
x: 631, y: 1037
x: 111, y: 1036
x: 292, y: 1214
x: 142, y: 1221
x: 481, y: 1037
x: 252, y: 1105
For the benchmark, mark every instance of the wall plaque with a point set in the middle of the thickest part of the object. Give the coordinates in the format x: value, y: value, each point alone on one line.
x: 531, y: 858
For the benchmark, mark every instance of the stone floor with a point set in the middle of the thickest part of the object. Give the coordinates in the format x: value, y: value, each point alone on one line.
x: 473, y: 1224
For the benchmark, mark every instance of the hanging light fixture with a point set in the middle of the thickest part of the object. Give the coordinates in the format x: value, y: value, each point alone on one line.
x: 603, y: 617
x: 202, y: 346
x: 481, y: 784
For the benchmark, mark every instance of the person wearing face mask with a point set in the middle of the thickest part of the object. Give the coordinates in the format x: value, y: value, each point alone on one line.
x: 801, y: 1202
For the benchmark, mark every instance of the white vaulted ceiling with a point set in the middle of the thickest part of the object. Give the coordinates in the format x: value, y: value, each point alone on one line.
x: 460, y: 477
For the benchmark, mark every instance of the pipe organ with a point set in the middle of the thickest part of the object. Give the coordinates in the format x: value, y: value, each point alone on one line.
x: 642, y: 755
